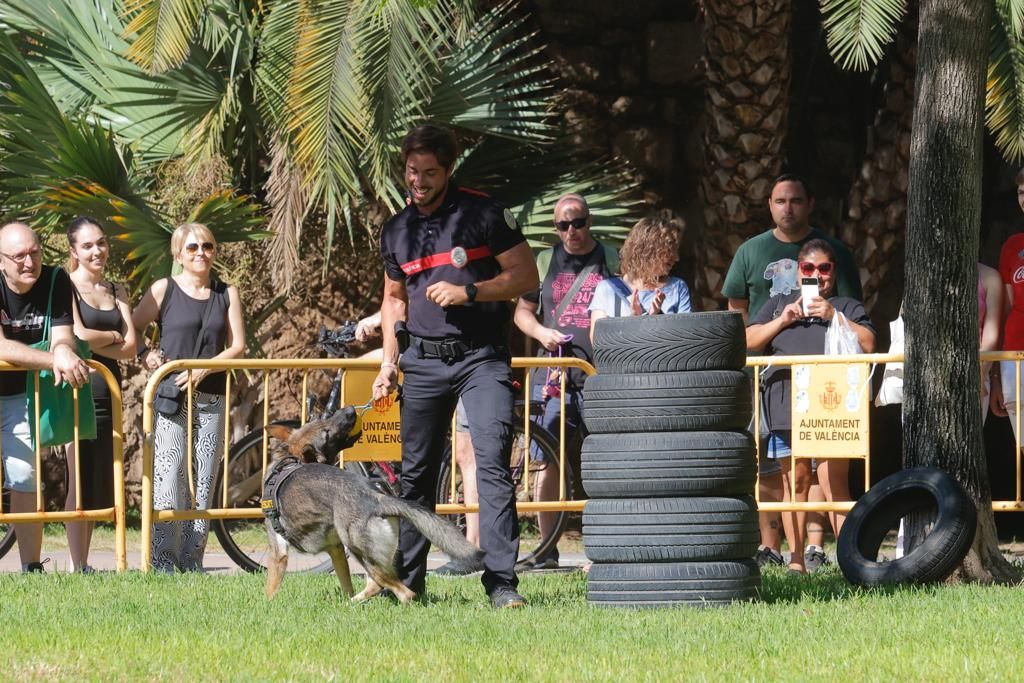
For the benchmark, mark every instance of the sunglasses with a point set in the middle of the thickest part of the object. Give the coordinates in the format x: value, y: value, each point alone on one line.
x: 193, y: 247
x: 807, y: 268
x: 578, y: 223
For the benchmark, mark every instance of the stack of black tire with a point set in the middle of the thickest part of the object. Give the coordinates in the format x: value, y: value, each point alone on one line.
x: 669, y: 466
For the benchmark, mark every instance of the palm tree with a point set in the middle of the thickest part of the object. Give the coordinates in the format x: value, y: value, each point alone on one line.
x: 309, y: 100
x: 748, y: 74
x: 53, y: 166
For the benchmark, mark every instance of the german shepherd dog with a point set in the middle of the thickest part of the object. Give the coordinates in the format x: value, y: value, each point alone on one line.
x: 321, y: 507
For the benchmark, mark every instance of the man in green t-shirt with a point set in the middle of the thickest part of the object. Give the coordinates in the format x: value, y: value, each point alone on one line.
x: 766, y: 265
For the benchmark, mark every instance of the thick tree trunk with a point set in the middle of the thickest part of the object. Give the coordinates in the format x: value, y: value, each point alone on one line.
x: 748, y: 71
x: 942, y: 375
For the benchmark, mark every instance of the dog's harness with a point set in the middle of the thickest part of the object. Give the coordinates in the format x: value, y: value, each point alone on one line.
x: 277, y: 475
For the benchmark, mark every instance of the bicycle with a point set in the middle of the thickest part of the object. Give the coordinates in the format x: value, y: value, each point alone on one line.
x: 521, y: 464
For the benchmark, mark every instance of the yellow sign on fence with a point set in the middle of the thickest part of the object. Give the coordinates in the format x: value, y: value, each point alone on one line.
x: 830, y: 410
x: 381, y: 438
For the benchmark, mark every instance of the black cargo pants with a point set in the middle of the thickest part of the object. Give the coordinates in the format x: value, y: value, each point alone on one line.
x: 430, y: 389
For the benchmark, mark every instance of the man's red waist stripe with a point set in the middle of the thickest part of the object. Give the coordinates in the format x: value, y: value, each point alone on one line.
x: 443, y: 259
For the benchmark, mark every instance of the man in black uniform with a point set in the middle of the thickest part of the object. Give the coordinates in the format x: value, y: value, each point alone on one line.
x: 453, y: 261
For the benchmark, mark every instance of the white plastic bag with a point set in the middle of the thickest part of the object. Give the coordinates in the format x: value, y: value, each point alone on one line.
x: 840, y: 339
x: 891, y: 391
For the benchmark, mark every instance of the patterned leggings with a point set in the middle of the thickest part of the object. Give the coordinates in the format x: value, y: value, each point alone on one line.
x: 180, y: 545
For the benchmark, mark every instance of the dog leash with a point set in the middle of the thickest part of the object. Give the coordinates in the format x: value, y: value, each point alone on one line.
x: 369, y: 404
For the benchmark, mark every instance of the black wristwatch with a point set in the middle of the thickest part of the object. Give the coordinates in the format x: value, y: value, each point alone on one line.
x: 471, y: 292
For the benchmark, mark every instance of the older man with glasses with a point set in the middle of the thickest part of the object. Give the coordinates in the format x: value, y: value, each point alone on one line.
x: 27, y: 290
x: 557, y: 316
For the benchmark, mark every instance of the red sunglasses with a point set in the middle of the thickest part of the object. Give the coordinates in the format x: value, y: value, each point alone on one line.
x: 807, y: 268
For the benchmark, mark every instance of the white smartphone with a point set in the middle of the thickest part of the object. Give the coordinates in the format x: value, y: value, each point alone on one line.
x: 808, y: 291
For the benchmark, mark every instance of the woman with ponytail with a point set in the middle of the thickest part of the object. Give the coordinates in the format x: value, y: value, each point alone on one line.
x: 103, y: 320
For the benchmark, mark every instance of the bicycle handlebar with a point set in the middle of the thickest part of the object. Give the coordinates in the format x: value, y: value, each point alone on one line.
x: 335, y: 343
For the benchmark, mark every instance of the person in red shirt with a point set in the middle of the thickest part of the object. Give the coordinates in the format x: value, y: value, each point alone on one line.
x: 1003, y: 397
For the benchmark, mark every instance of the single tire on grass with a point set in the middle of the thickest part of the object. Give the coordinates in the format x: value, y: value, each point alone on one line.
x: 670, y: 529
x: 670, y: 343
x: 668, y: 464
x: 666, y: 584
x: 880, y: 509
x: 667, y: 402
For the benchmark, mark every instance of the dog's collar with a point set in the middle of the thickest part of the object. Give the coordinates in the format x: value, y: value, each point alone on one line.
x: 277, y: 475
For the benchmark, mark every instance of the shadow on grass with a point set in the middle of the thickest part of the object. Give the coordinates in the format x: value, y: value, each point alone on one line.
x: 829, y: 584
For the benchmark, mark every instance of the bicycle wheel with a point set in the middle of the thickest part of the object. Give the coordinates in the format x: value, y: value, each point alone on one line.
x: 6, y: 529
x: 245, y: 540
x: 533, y: 543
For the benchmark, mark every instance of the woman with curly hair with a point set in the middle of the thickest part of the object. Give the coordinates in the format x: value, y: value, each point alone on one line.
x: 645, y: 286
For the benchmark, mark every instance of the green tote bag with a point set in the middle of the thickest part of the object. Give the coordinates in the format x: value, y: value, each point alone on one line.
x: 57, y: 405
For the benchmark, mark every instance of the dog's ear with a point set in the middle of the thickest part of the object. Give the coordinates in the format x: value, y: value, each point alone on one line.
x: 281, y: 432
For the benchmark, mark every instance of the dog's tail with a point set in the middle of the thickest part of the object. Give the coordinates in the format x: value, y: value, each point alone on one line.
x: 440, y: 532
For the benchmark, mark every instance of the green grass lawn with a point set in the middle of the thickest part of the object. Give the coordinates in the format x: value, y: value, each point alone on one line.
x: 148, y: 627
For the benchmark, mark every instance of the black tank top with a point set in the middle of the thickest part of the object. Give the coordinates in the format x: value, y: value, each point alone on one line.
x: 99, y: 319
x: 181, y: 318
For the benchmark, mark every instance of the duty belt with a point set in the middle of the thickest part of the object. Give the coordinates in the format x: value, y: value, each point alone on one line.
x: 277, y: 475
x: 451, y: 349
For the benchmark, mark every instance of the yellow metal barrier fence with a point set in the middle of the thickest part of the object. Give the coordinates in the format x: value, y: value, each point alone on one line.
x: 871, y: 360
x: 150, y: 515
x: 114, y: 514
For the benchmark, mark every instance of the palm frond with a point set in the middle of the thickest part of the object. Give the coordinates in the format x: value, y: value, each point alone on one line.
x: 288, y: 205
x: 164, y: 30
x: 309, y: 78
x: 543, y: 174
x: 398, y: 46
x: 494, y: 83
x: 858, y: 30
x: 1004, y: 92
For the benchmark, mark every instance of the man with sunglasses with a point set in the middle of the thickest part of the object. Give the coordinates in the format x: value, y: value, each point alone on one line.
x: 453, y: 261
x: 766, y: 266
x: 569, y: 274
x: 25, y: 296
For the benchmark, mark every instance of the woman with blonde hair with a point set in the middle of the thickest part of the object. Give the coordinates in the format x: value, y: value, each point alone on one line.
x: 198, y: 317
x: 102, y: 317
x: 645, y: 286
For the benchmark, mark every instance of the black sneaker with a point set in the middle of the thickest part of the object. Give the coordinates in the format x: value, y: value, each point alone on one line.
x: 36, y: 567
x: 457, y: 568
x: 504, y: 597
x: 766, y: 556
x: 533, y: 564
x: 815, y: 559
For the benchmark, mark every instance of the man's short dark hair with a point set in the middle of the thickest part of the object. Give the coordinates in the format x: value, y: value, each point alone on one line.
x: 431, y: 139
x: 793, y: 178
x: 1019, y: 179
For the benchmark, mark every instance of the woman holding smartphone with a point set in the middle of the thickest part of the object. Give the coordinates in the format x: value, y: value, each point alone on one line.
x: 783, y: 328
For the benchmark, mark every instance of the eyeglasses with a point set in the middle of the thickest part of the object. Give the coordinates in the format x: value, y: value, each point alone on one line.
x: 578, y: 223
x: 21, y: 258
x: 807, y: 268
x: 193, y: 247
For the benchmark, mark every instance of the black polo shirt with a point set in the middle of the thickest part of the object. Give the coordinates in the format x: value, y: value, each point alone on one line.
x: 23, y: 317
x: 418, y: 249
